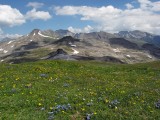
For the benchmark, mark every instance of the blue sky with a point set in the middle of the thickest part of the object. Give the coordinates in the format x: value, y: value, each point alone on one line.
x: 21, y: 16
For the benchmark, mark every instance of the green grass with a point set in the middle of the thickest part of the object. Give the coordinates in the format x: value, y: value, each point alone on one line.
x: 38, y: 53
x: 29, y: 91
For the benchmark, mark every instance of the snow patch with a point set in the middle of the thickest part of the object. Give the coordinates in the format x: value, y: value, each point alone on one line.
x: 9, y: 42
x: 34, y: 34
x: 149, y: 56
x: 5, y: 51
x: 12, y: 46
x: 128, y: 56
x: 1, y: 49
x: 75, y: 51
x: 116, y: 50
x: 31, y: 40
x: 73, y: 45
x: 39, y: 33
x: 2, y: 60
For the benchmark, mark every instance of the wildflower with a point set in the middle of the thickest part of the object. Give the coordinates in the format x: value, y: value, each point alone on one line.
x: 157, y: 104
x: 28, y: 85
x: 51, y: 117
x: 99, y: 99
x: 89, y: 104
x: 43, y: 75
x: 113, y: 104
x: 42, y: 108
x: 66, y: 85
x: 63, y: 111
x: 39, y: 104
x: 95, y: 113
x: 14, y: 85
x: 88, y: 116
x: 106, y: 100
x: 13, y: 90
x: 122, y: 91
x: 50, y: 112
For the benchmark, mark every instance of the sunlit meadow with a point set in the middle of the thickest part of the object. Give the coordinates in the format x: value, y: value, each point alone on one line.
x: 70, y: 90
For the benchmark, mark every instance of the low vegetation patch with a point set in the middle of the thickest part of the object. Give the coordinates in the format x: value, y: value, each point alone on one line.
x: 72, y: 90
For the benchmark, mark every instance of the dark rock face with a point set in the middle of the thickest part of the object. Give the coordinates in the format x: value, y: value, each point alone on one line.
x: 17, y: 54
x: 30, y: 45
x: 22, y: 60
x: 60, y: 54
x: 110, y: 59
x: 123, y: 42
x: 59, y: 51
x: 156, y: 40
x: 66, y: 40
x: 155, y: 51
x: 35, y: 31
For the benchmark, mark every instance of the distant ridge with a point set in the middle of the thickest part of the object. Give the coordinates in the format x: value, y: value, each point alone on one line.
x: 123, y: 47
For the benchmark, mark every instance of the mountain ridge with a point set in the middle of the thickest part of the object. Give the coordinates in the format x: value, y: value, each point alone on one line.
x: 127, y: 46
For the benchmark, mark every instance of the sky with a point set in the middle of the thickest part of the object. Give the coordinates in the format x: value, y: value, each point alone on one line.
x: 19, y: 17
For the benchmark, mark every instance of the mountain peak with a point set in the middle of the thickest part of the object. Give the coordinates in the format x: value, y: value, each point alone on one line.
x: 35, y: 30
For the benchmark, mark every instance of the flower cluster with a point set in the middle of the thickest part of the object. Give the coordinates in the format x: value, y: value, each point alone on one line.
x: 157, y: 104
x: 57, y: 109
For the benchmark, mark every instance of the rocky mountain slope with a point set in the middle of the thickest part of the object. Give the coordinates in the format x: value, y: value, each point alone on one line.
x: 123, y: 47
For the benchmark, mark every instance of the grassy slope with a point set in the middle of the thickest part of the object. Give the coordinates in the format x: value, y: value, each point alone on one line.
x: 29, y: 91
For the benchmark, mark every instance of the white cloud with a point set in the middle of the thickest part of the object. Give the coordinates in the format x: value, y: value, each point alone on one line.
x: 33, y: 15
x: 12, y: 36
x: 86, y: 29
x: 10, y: 16
x: 148, y: 5
x: 35, y: 4
x: 156, y: 6
x: 111, y: 19
x: 129, y: 6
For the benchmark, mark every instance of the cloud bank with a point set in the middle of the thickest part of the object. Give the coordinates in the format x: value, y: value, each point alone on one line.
x: 34, y: 14
x: 10, y: 17
x: 35, y: 4
x: 86, y: 29
x: 146, y: 17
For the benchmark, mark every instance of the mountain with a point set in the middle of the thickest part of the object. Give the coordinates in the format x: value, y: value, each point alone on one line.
x: 63, y: 33
x: 123, y: 47
x: 141, y: 36
x: 6, y: 39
